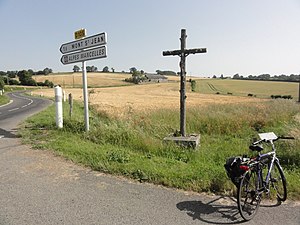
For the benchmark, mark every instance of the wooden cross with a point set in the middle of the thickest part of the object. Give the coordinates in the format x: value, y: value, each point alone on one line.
x: 183, y: 53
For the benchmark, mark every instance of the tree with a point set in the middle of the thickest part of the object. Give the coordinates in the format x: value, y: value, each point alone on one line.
x: 26, y: 78
x: 49, y: 83
x: 47, y: 71
x: 91, y: 69
x: 113, y: 69
x: 132, y: 70
x: 105, y: 69
x: 76, y: 68
x: 2, y: 84
x: 11, y: 74
x: 167, y: 73
x: 31, y: 71
x: 264, y: 77
x: 236, y: 76
x: 94, y: 69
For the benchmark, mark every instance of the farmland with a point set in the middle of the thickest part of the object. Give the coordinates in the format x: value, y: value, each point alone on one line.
x: 128, y: 124
x: 108, y: 92
x: 261, y: 89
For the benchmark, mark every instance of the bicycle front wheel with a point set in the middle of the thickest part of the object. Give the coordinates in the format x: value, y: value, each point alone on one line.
x: 248, y: 198
x: 278, y: 182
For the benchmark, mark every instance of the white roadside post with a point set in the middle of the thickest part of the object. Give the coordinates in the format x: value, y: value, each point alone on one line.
x: 59, y: 108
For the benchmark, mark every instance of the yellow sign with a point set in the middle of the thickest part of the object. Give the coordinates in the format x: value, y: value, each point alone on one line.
x: 80, y: 34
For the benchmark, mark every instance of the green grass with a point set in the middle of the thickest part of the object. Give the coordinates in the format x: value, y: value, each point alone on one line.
x: 261, y: 89
x: 134, y: 147
x: 3, y: 99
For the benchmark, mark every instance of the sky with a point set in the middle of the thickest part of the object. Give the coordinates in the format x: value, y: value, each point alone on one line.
x: 241, y: 36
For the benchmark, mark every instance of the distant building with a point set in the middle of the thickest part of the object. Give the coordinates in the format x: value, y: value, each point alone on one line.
x: 155, y: 78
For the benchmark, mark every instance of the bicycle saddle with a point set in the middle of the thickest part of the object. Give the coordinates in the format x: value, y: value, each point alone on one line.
x: 257, y: 148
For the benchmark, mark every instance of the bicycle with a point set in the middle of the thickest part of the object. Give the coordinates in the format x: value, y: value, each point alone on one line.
x: 249, y: 176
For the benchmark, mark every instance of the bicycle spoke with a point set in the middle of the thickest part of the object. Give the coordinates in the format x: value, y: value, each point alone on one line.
x: 248, y: 200
x: 278, y: 183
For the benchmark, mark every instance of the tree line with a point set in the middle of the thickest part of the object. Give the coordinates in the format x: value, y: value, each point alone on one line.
x: 93, y: 69
x: 14, y: 73
x: 25, y: 77
x: 268, y: 77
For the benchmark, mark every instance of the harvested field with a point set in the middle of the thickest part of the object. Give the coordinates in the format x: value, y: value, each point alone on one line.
x: 94, y: 79
x: 119, y: 101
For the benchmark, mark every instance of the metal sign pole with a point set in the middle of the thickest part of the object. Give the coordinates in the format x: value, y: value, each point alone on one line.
x: 85, y: 97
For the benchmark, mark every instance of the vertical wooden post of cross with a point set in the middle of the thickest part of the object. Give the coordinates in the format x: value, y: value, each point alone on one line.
x: 182, y: 84
x: 183, y: 53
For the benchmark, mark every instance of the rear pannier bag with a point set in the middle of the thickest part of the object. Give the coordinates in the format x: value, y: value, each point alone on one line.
x: 233, y: 170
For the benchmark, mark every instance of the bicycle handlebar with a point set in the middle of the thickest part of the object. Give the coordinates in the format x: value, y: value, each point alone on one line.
x: 264, y: 140
x: 287, y: 138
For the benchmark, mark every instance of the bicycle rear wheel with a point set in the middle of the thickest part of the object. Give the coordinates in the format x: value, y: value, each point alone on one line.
x: 248, y: 199
x: 278, y: 182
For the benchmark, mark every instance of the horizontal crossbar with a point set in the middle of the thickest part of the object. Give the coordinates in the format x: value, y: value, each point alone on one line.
x: 186, y: 51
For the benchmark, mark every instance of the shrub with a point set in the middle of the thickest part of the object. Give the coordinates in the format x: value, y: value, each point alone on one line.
x: 193, y: 85
x: 281, y: 96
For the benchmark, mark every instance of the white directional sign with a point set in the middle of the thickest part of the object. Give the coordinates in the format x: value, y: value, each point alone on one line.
x: 85, y: 55
x: 89, y: 42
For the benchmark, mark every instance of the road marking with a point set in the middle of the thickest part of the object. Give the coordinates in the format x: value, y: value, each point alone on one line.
x: 11, y: 101
x: 22, y: 97
x: 13, y: 109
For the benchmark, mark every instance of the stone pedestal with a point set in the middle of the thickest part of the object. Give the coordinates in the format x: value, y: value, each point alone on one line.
x: 190, y: 141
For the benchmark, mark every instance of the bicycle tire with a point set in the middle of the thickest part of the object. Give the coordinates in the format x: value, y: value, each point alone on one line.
x: 248, y: 199
x: 278, y: 182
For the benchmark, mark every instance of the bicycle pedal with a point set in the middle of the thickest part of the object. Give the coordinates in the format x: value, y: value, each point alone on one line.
x: 273, y: 180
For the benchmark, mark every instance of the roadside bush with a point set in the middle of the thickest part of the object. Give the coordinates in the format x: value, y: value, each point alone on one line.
x: 193, y: 85
x: 281, y: 96
x: 14, y: 82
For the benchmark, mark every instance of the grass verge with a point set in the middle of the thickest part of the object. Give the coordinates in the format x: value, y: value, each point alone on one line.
x: 134, y: 147
x: 3, y: 99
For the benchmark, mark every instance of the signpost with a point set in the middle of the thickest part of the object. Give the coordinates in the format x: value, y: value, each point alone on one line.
x: 80, y: 34
x: 82, y: 50
x: 89, y: 42
x: 84, y: 55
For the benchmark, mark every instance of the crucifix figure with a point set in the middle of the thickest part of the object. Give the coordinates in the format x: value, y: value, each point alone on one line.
x: 183, y: 53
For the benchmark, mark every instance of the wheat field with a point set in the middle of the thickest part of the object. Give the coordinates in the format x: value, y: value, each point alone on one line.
x: 94, y: 79
x: 109, y: 94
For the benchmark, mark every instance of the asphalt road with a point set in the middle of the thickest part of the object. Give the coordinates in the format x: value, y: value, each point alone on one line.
x: 37, y: 187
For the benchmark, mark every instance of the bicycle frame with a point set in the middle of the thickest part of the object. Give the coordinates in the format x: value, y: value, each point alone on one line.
x: 270, y: 159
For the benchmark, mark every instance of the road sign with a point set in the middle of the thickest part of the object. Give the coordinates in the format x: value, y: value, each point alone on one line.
x: 89, y: 42
x: 85, y: 55
x: 80, y: 34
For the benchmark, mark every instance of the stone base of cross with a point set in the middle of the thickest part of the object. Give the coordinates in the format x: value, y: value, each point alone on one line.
x: 183, y: 53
